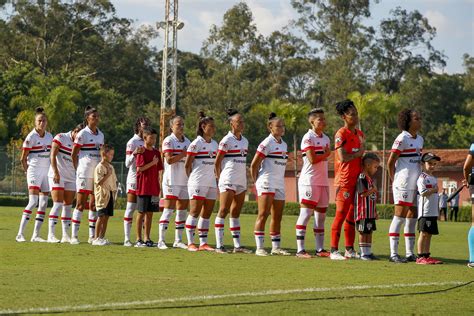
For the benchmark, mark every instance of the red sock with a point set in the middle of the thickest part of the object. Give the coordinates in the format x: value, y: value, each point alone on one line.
x: 337, y: 224
x: 349, y: 228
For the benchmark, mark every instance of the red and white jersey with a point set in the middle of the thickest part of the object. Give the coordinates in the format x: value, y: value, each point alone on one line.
x: 130, y: 161
x: 175, y: 174
x: 428, y: 206
x: 234, y: 169
x: 272, y: 170
x: 63, y: 159
x: 202, y: 173
x: 39, y: 149
x: 364, y: 207
x: 314, y: 174
x: 407, y: 167
x: 89, y: 154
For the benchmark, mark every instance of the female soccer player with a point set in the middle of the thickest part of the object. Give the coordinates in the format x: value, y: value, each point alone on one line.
x: 175, y: 183
x: 202, y: 186
x: 313, y: 184
x: 468, y: 171
x: 268, y: 173
x: 404, y: 169
x: 230, y: 169
x: 35, y: 163
x: 349, y: 145
x: 62, y: 182
x: 134, y: 147
x: 85, y: 157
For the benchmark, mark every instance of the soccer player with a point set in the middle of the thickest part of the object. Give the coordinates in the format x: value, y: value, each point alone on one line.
x: 365, y: 212
x: 230, y: 169
x: 202, y: 186
x: 313, y: 184
x: 35, y: 162
x: 85, y: 157
x: 468, y: 181
x: 349, y: 145
x: 428, y: 208
x: 149, y: 165
x: 175, y: 183
x: 62, y: 182
x: 268, y: 173
x: 404, y: 169
x: 134, y: 147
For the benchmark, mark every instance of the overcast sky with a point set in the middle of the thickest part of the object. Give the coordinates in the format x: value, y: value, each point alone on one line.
x: 453, y: 19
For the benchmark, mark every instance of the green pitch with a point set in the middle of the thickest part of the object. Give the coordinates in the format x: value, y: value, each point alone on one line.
x: 114, y: 279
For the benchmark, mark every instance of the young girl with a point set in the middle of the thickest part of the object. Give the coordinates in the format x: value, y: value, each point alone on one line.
x: 85, y: 157
x: 175, y: 183
x: 202, y: 187
x: 35, y: 162
x: 404, y: 168
x: 105, y: 188
x: 134, y: 147
x: 230, y: 169
x: 313, y: 184
x: 62, y: 181
x: 268, y: 173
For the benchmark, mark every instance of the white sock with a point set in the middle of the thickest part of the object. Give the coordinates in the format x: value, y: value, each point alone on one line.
x: 410, y: 227
x: 128, y: 219
x: 190, y: 228
x: 365, y: 249
x: 66, y: 219
x: 219, y: 229
x: 179, y: 225
x: 276, y: 240
x: 234, y: 224
x: 76, y: 223
x: 318, y: 230
x: 164, y: 221
x: 40, y: 214
x: 259, y: 238
x: 25, y: 217
x: 203, y: 229
x: 92, y: 220
x: 394, y: 234
x: 53, y: 218
x: 301, y: 222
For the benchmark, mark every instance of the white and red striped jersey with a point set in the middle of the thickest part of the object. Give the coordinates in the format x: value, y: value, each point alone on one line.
x: 314, y: 174
x: 428, y: 206
x: 63, y: 158
x: 407, y: 167
x: 89, y: 154
x: 202, y: 173
x: 364, y: 206
x: 175, y: 174
x: 130, y: 161
x: 39, y: 149
x: 234, y: 169
x: 272, y: 170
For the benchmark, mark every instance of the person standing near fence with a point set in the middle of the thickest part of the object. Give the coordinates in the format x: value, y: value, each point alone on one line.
x: 35, y: 162
x: 454, y: 203
x: 443, y: 205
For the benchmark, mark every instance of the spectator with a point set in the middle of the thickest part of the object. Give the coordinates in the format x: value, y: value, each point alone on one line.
x: 454, y: 207
x: 443, y: 205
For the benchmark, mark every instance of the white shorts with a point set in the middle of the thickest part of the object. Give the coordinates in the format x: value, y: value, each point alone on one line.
x: 175, y: 192
x: 202, y: 193
x: 279, y: 194
x: 85, y: 185
x: 132, y: 187
x: 62, y: 185
x: 232, y: 187
x: 404, y: 197
x: 315, y: 195
x: 37, y: 179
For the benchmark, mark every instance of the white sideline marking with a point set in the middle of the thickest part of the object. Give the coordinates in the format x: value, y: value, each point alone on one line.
x: 73, y: 308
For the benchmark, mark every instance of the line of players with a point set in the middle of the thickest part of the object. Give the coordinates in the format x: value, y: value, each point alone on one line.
x: 65, y: 165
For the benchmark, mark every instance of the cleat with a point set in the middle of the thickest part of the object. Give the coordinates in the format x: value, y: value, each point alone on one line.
x: 422, y: 260
x: 99, y: 242
x: 373, y: 257
x: 322, y: 253
x: 434, y: 261
x: 75, y: 241
x: 37, y: 239
x: 140, y: 244
x: 107, y: 242
x: 398, y: 259
x: 242, y: 250
x: 90, y: 240
x: 336, y: 255
x: 149, y: 243
x: 206, y: 247
x: 470, y: 264
x: 192, y: 247
x: 127, y: 243
x: 366, y: 258
x: 221, y: 250
x: 280, y: 252
x: 65, y: 239
x: 351, y: 254
x: 180, y: 244
x: 261, y: 252
x: 53, y: 240
x: 411, y: 258
x: 20, y: 238
x: 161, y: 245
x: 303, y: 255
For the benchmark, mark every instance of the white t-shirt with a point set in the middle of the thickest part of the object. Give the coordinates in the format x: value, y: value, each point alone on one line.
x: 272, y: 170
x: 175, y: 174
x: 408, y: 166
x: 314, y: 174
x: 89, y: 154
x: 130, y: 161
x: 202, y: 173
x: 233, y: 168
x: 63, y: 158
x: 428, y: 206
x: 39, y: 149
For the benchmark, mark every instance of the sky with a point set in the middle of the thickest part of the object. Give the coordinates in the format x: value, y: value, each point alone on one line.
x: 453, y: 19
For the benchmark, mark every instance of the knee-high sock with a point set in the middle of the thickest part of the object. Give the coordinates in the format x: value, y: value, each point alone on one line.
x: 203, y: 230
x: 336, y: 227
x: 92, y: 220
x: 410, y: 227
x: 318, y: 230
x: 234, y: 224
x: 301, y: 222
x: 42, y: 205
x: 259, y: 238
x: 25, y: 217
x: 276, y: 240
x: 76, y: 223
x: 191, y: 228
x: 470, y: 240
x: 365, y: 248
x: 164, y: 221
x: 394, y: 234
x: 219, y: 229
x: 128, y: 219
x: 349, y: 229
x: 53, y: 218
x: 179, y: 225
x: 66, y: 216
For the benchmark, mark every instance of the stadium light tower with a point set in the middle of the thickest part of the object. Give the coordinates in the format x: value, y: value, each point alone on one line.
x: 170, y: 25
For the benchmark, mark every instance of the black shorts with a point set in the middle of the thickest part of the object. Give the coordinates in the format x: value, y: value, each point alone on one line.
x: 148, y: 203
x: 366, y: 226
x: 109, y: 209
x: 428, y: 225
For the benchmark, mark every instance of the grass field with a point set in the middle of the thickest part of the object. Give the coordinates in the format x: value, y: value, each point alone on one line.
x: 47, y: 278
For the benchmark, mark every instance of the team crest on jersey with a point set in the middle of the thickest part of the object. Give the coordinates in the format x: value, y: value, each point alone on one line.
x: 211, y: 154
x: 308, y: 194
x: 346, y: 195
